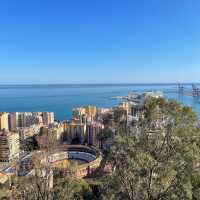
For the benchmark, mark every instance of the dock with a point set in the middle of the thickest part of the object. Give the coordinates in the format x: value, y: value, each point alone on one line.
x: 194, y: 91
x: 180, y: 89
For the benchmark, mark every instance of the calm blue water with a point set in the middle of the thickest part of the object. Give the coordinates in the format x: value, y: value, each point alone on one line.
x: 62, y: 98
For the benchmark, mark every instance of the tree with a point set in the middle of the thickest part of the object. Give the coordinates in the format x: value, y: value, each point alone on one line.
x: 39, y: 183
x: 66, y: 188
x: 104, y: 135
x: 120, y: 115
x: 160, y: 159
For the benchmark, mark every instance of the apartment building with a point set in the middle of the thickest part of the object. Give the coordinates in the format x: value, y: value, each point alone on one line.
x: 9, y: 146
x: 48, y: 118
x: 4, y: 121
x: 13, y: 121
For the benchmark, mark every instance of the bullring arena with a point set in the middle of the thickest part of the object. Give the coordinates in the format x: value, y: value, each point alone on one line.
x: 78, y: 160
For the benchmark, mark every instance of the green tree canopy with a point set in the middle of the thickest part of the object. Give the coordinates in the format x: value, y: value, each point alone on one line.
x: 160, y: 159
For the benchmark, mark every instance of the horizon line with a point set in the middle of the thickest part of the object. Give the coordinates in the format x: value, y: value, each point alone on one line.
x: 90, y: 83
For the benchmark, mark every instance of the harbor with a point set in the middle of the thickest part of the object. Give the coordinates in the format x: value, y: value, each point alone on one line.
x: 179, y: 89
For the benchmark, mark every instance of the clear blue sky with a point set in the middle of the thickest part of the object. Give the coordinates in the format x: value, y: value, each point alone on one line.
x: 99, y: 41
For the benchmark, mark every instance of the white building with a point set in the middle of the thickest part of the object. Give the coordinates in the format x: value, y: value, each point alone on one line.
x: 4, y: 121
x: 13, y: 121
x: 9, y: 146
x: 48, y: 118
x: 154, y: 94
x: 27, y: 132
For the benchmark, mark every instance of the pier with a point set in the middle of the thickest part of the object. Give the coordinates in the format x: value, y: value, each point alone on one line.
x: 179, y: 89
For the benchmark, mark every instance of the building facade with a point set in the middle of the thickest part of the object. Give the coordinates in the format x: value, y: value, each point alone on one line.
x: 13, y: 120
x: 4, y: 121
x: 9, y: 146
x: 93, y: 131
x: 48, y: 118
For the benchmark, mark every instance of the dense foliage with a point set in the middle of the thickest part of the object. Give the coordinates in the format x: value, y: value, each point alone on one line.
x: 158, y: 160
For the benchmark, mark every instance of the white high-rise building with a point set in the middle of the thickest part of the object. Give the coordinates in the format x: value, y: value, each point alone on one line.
x: 9, y: 146
x: 13, y: 121
x: 4, y: 121
x: 48, y: 118
x: 23, y: 119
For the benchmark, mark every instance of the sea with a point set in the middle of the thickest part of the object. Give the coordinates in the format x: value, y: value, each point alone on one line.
x: 62, y: 98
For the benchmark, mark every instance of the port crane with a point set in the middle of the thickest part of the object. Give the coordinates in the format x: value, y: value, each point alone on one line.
x: 181, y: 89
x: 195, y: 92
